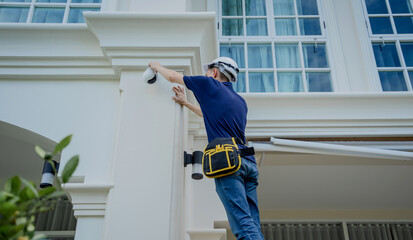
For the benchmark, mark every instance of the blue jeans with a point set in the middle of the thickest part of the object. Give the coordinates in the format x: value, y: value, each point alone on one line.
x: 239, y: 195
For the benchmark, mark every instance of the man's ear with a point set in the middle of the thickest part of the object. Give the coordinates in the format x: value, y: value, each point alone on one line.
x: 214, y: 73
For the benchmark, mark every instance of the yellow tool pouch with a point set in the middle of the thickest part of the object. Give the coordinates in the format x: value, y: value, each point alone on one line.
x: 221, y: 158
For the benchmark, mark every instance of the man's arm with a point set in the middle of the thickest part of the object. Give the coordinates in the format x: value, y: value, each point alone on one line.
x: 170, y: 75
x: 180, y: 98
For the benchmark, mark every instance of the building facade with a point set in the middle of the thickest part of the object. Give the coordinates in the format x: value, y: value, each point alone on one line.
x: 328, y: 85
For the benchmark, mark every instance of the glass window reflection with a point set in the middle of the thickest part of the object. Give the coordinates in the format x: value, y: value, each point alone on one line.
x: 307, y: 7
x: 315, y: 57
x: 376, y: 6
x: 261, y: 82
x: 283, y: 7
x: 287, y: 56
x: 256, y: 27
x: 232, y: 8
x: 392, y: 81
x: 404, y: 24
x: 239, y: 85
x: 234, y: 51
x: 15, y: 1
x: 380, y: 25
x: 255, y: 8
x: 407, y: 49
x: 310, y: 26
x: 13, y: 14
x: 48, y: 15
x: 285, y: 26
x: 318, y: 82
x: 232, y: 27
x: 259, y: 56
x: 400, y: 6
x: 386, y: 56
x: 290, y: 82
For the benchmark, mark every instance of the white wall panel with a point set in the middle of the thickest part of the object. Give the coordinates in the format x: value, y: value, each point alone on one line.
x: 54, y: 109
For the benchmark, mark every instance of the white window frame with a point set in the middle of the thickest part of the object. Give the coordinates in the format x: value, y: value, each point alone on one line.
x: 395, y: 38
x: 67, y: 6
x: 273, y: 39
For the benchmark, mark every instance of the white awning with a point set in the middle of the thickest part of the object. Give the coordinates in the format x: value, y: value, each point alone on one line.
x: 284, y: 145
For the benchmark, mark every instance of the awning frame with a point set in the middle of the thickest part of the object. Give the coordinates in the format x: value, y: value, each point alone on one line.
x: 286, y: 145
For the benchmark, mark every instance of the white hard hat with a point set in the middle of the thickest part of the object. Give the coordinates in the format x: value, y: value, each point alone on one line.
x: 226, y: 66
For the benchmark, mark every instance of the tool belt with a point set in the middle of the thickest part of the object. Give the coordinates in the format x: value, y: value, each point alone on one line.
x: 222, y: 157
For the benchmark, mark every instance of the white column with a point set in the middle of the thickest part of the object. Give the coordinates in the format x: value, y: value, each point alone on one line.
x: 140, y: 204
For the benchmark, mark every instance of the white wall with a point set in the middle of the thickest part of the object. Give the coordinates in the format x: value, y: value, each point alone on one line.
x: 54, y: 109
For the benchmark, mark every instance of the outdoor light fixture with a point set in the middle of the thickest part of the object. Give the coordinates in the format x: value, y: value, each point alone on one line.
x: 48, y: 174
x: 149, y: 76
x: 196, y: 160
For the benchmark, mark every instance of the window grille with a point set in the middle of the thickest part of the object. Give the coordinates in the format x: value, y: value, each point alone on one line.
x: 46, y: 11
x: 279, y: 45
x: 390, y: 28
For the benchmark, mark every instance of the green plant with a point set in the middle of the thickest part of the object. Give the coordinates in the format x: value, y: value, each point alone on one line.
x: 20, y: 201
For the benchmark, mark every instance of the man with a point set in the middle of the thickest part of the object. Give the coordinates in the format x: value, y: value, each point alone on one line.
x: 225, y: 115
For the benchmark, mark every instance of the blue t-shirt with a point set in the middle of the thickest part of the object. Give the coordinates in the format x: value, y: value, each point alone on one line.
x: 224, y: 111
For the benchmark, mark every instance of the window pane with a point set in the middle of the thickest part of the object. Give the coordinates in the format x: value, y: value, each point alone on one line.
x: 236, y: 52
x: 15, y: 0
x: 52, y: 1
x: 404, y: 24
x: 286, y: 26
x: 407, y: 49
x: 48, y: 15
x: 315, y: 57
x: 286, y: 56
x: 318, y: 82
x: 232, y: 8
x: 386, y: 56
x: 13, y: 14
x: 289, y: 82
x: 310, y: 26
x: 232, y: 27
x: 256, y: 27
x: 76, y: 14
x: 376, y: 6
x: 283, y: 7
x: 261, y: 82
x: 380, y: 25
x: 307, y: 7
x: 259, y: 56
x: 400, y: 6
x: 255, y: 8
x: 392, y: 81
x: 239, y: 85
x: 411, y: 78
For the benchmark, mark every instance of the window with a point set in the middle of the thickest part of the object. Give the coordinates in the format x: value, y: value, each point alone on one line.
x: 46, y: 11
x: 390, y: 26
x: 279, y: 45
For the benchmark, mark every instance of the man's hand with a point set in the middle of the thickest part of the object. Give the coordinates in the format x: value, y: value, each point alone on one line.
x: 154, y: 65
x: 170, y: 75
x: 179, y: 95
x: 180, y: 99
